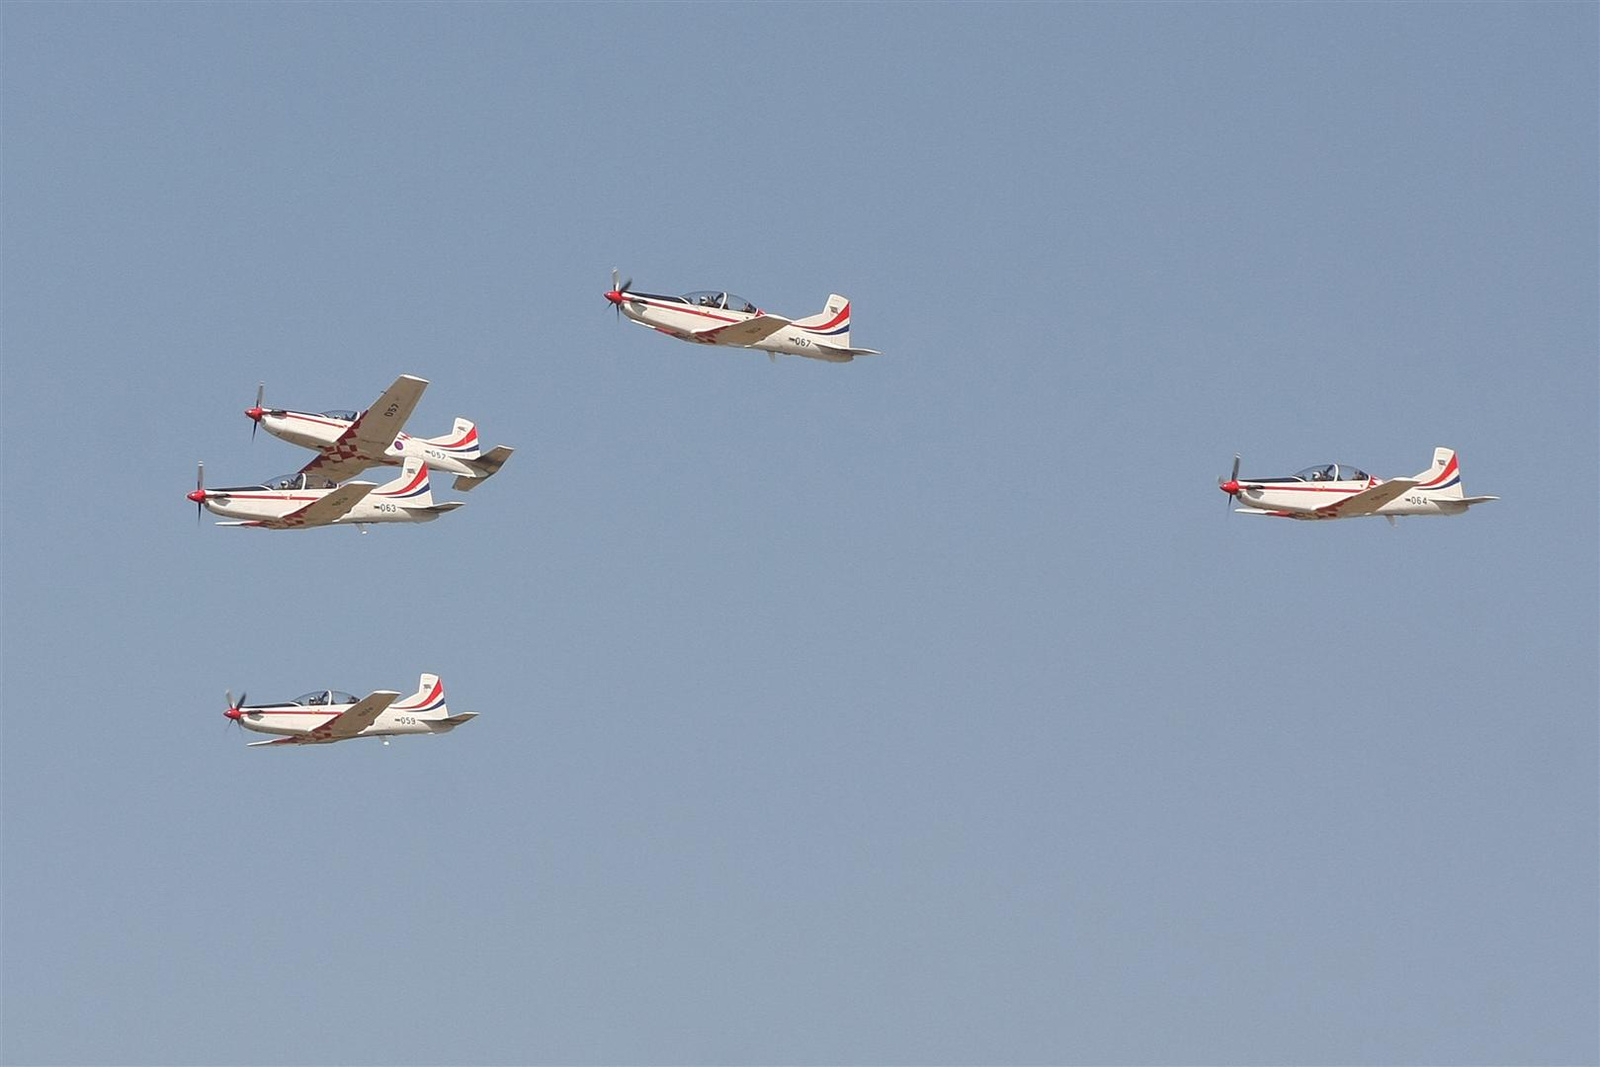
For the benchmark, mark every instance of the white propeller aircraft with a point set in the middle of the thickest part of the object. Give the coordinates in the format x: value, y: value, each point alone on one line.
x: 709, y: 317
x: 300, y: 501
x: 348, y: 442
x: 1340, y: 491
x: 324, y: 716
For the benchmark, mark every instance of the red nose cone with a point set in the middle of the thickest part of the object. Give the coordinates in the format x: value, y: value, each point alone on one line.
x: 198, y: 495
x: 255, y: 413
x: 233, y: 713
x: 615, y: 296
x: 1231, y: 488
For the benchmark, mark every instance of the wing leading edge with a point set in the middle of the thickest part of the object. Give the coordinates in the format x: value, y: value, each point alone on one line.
x: 1369, y: 500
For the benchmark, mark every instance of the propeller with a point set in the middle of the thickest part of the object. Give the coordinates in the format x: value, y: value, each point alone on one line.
x: 1231, y: 485
x: 617, y: 291
x: 199, y: 494
x: 256, y: 412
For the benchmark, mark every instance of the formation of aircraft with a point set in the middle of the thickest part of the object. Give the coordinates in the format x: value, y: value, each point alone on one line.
x: 1340, y: 491
x: 348, y: 442
x: 713, y: 317
x: 324, y: 716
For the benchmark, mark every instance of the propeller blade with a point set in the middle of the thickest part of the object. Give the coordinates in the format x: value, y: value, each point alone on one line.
x: 614, y: 286
x: 627, y: 284
x: 228, y: 696
x: 199, y: 494
x: 255, y: 423
x: 1231, y: 486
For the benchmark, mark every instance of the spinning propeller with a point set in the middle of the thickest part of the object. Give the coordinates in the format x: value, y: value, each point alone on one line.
x: 1231, y: 486
x: 199, y: 494
x: 616, y: 294
x: 256, y: 412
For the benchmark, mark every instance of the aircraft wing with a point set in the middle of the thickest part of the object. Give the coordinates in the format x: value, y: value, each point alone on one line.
x: 362, y: 714
x: 336, y: 465
x: 371, y: 434
x: 330, y: 508
x: 1369, y: 500
x: 380, y: 424
x: 747, y: 332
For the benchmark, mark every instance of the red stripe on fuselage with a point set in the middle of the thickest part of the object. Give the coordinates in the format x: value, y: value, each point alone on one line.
x: 687, y: 309
x: 318, y: 419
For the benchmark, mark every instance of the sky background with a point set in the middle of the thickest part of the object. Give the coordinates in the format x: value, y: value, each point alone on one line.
x: 926, y: 709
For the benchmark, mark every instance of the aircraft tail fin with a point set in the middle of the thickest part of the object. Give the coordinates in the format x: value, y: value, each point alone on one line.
x: 427, y: 702
x: 411, y: 489
x: 1442, y: 480
x: 461, y: 442
x: 831, y: 325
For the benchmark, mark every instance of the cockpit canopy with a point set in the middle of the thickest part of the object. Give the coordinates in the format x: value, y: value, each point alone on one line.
x: 708, y: 298
x: 343, y: 414
x: 281, y: 483
x: 1332, y: 472
x: 320, y: 697
x: 299, y: 480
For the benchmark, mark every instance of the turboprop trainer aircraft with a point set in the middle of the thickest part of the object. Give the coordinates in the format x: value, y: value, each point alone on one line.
x: 324, y: 716
x: 1340, y: 491
x: 301, y: 500
x: 348, y: 442
x: 710, y: 317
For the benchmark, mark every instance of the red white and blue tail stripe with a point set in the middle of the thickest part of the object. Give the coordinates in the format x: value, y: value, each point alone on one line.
x: 429, y: 698
x: 411, y: 487
x: 1444, y: 476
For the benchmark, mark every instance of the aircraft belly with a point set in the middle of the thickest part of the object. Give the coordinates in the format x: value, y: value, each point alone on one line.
x: 368, y: 512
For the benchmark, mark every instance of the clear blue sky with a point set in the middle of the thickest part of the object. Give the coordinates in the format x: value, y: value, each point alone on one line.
x: 929, y: 709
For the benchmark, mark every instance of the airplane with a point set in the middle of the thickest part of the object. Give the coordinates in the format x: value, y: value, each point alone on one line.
x: 710, y: 317
x: 348, y: 442
x: 1340, y: 491
x: 324, y: 716
x: 300, y: 500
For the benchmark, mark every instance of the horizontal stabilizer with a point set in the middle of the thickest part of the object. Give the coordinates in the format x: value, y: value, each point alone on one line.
x: 1474, y: 500
x: 451, y: 722
x: 834, y: 354
x: 486, y: 466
